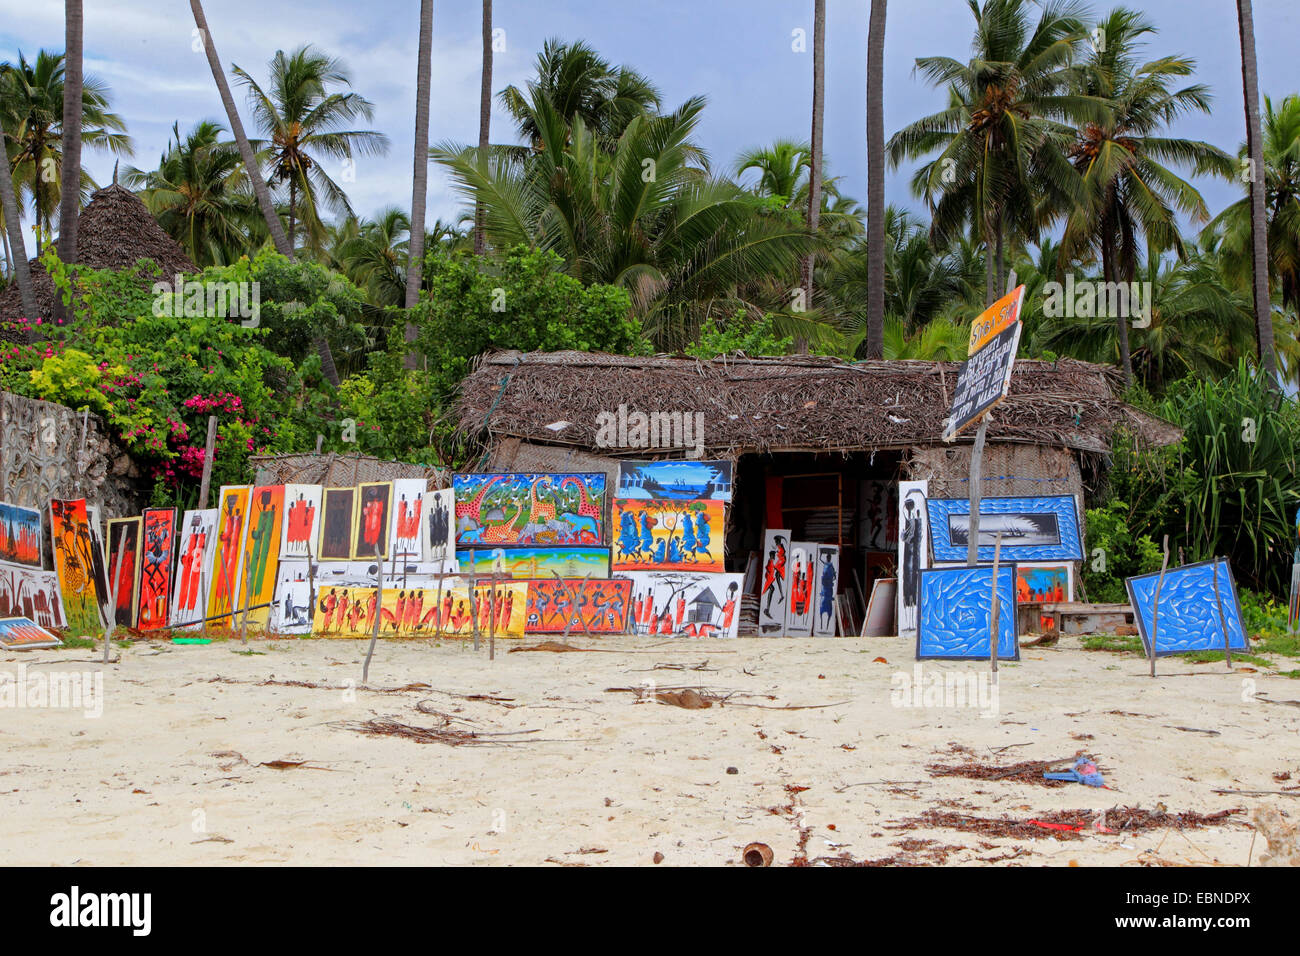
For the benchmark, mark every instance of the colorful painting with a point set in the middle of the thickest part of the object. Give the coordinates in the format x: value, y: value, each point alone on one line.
x: 198, y: 546
x: 261, y: 548
x: 439, y: 544
x: 529, y: 510
x: 31, y: 593
x: 100, y: 565
x: 18, y: 633
x: 826, y: 567
x: 602, y: 605
x: 1032, y: 529
x: 291, y: 613
x: 156, y: 567
x: 232, y: 517
x: 956, y: 614
x: 77, y: 561
x: 374, y: 508
x: 668, y: 535
x: 417, y: 612
x: 685, y: 604
x: 799, y: 609
x: 301, y: 521
x: 1044, y: 583
x: 527, y: 563
x: 124, y: 563
x: 407, y: 533
x: 774, y: 595
x: 1198, y: 605
x: 675, y: 480
x: 913, y: 550
x: 336, y: 524
x: 20, y: 535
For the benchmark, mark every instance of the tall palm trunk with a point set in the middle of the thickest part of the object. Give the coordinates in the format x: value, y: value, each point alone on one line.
x: 14, y: 230
x: 1258, y: 217
x: 876, y: 181
x: 70, y: 196
x: 815, y: 173
x: 1108, y: 272
x: 260, y: 189
x: 419, y: 172
x: 484, y: 120
x: 293, y: 212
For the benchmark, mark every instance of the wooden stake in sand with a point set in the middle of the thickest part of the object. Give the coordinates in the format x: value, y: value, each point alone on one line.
x: 993, y: 607
x: 379, y: 608
x: 112, y: 597
x: 1155, y: 608
x: 1223, y: 621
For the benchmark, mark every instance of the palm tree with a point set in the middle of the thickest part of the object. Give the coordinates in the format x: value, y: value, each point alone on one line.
x: 301, y: 116
x: 876, y: 180
x: 200, y: 194
x: 375, y: 256
x: 32, y: 116
x: 419, y: 173
x: 782, y: 170
x: 1001, y: 171
x: 1131, y: 197
x: 21, y: 272
x: 815, y: 169
x: 484, y: 118
x: 69, y: 201
x: 1258, y: 217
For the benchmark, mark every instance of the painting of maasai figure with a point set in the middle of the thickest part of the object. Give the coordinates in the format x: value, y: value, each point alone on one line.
x: 668, y: 535
x: 408, y: 518
x: 803, y: 576
x: 827, y: 570
x: 18, y: 633
x: 156, y: 567
x: 774, y: 595
x: 1044, y: 583
x: 20, y: 535
x: 124, y: 547
x: 374, y: 502
x: 31, y: 593
x: 913, y: 551
x: 555, y: 605
x: 439, y: 529
x: 675, y: 480
x: 292, y: 611
x: 198, y: 546
x: 75, y: 560
x: 232, y: 515
x: 685, y: 604
x: 302, y: 505
x: 261, y: 548
x: 336, y: 524
x: 510, y: 510
x: 414, y: 612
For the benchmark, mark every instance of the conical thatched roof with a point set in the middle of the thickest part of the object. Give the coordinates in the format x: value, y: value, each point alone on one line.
x: 115, y: 230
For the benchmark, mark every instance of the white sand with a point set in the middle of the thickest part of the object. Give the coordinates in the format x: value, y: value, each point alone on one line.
x: 610, y: 779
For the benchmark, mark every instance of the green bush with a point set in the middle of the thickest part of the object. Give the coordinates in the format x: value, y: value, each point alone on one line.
x: 1114, y: 552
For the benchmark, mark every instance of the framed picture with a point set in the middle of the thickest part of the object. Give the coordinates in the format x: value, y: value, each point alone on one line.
x: 1198, y: 605
x: 1032, y: 529
x: 956, y: 614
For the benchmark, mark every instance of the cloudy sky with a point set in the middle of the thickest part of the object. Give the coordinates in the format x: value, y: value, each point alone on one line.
x: 738, y: 53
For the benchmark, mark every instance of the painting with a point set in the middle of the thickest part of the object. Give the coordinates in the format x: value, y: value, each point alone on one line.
x: 374, y: 508
x: 956, y: 614
x: 349, y: 612
x: 675, y: 480
x: 76, y: 561
x: 529, y: 510
x: 20, y: 535
x: 302, y: 506
x: 799, y: 609
x: 878, y: 515
x: 31, y: 593
x: 773, y: 596
x: 1032, y: 529
x: 826, y: 567
x: 1293, y: 615
x: 1046, y: 583
x: 880, y: 608
x: 99, y: 562
x: 407, y: 533
x: 198, y: 546
x: 18, y: 633
x: 232, y: 514
x: 527, y: 563
x: 685, y: 603
x: 291, y: 613
x: 336, y: 524
x: 261, y: 547
x: 1198, y: 602
x: 913, y: 550
x: 124, y: 536
x: 439, y: 539
x: 602, y: 605
x: 156, y: 567
x: 661, y: 535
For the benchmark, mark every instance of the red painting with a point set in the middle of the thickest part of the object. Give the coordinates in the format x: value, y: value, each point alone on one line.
x: 156, y: 567
x: 601, y: 604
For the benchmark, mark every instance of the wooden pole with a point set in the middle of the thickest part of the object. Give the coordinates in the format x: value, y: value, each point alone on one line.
x: 112, y: 598
x: 379, y: 607
x: 1155, y: 608
x: 209, y: 450
x: 993, y: 606
x: 976, y: 468
x: 1223, y: 621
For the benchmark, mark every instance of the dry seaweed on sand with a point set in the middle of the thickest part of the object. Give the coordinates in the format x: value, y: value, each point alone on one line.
x: 442, y: 734
x: 1026, y: 771
x: 1075, y: 822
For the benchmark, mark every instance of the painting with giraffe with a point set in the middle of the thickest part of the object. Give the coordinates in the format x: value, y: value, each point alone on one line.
x: 522, y: 510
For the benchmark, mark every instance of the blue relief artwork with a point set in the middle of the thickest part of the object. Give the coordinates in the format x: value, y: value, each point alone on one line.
x: 1033, y: 529
x: 1189, y: 610
x: 956, y: 610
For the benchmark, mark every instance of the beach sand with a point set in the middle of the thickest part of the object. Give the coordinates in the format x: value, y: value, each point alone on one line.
x: 175, y: 770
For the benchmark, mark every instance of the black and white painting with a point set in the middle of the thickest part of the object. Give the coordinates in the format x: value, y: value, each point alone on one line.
x: 913, y: 551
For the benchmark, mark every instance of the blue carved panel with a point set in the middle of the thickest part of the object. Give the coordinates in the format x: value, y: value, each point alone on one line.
x: 1189, y: 610
x: 956, y: 611
x: 1033, y: 529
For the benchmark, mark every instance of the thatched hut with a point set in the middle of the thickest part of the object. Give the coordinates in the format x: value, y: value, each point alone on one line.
x: 818, y: 445
x: 114, y: 231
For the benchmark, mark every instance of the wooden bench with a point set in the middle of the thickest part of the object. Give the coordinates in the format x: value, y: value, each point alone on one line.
x: 1077, y: 617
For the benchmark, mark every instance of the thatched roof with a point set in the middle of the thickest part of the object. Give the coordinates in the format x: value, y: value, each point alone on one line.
x: 114, y: 231
x: 791, y: 403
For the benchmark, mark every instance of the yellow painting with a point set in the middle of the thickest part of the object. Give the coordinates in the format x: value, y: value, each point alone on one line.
x: 261, y: 552
x: 232, y: 515
x: 424, y: 611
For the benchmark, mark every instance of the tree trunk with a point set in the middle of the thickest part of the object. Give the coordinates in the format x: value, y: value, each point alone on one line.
x: 1258, y: 218
x: 876, y: 181
x: 484, y: 121
x: 14, y: 230
x: 419, y: 175
x: 815, y: 173
x: 1121, y: 320
x: 293, y: 212
x: 989, y: 296
x: 70, y: 175
x: 999, y: 275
